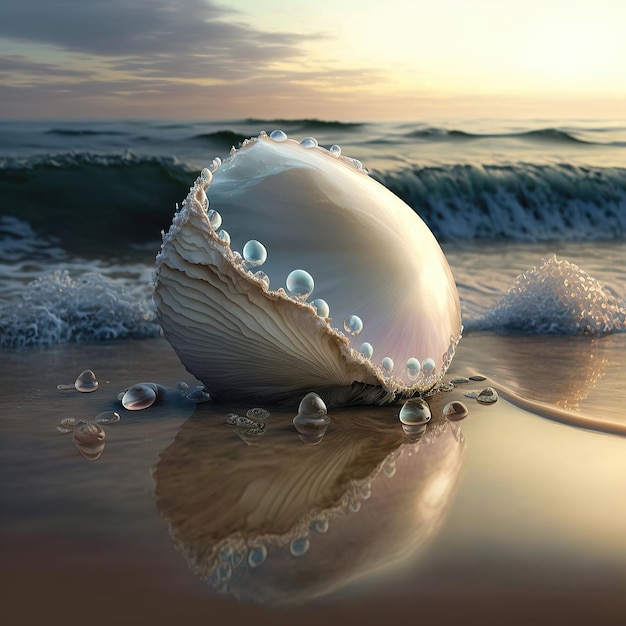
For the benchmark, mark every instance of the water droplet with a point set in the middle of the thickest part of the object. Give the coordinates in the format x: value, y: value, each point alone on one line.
x: 300, y: 284
x: 263, y: 277
x: 478, y: 377
x: 414, y: 417
x: 353, y: 325
x: 86, y: 382
x: 226, y: 553
x: 319, y: 525
x: 366, y: 492
x: 299, y: 546
x: 354, y: 506
x: 254, y: 253
x: 140, y: 396
x: 311, y: 421
x: 312, y: 405
x: 183, y: 387
x: 257, y: 555
x: 206, y: 175
x: 67, y: 425
x: 413, y: 368
x: 387, y: 366
x: 309, y: 142
x: 335, y: 150
x: 487, y: 396
x: 215, y: 219
x: 223, y: 572
x: 224, y: 236
x: 107, y: 417
x: 474, y: 393
x: 455, y: 411
x: 428, y: 365
x: 198, y: 395
x: 366, y: 350
x: 89, y: 439
x: 356, y: 164
x: 459, y: 380
x: 278, y: 135
x: 389, y: 468
x: 258, y: 413
x: 238, y: 557
x: 231, y: 419
x: 321, y: 307
x: 66, y: 387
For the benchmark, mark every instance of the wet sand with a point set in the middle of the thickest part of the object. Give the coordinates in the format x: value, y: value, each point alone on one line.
x: 531, y: 532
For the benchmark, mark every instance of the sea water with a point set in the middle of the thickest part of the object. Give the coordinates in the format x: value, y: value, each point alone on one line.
x: 83, y: 205
x: 524, y: 212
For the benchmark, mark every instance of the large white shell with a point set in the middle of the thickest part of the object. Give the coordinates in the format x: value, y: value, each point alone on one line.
x: 368, y: 252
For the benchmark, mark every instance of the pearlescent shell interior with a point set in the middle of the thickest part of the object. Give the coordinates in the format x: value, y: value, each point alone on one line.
x: 368, y: 252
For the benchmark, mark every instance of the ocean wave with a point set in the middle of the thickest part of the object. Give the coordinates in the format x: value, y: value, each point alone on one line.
x: 543, y: 134
x: 58, y: 309
x: 521, y: 202
x: 225, y: 139
x: 556, y: 298
x: 93, y: 202
x: 82, y: 132
x: 304, y: 124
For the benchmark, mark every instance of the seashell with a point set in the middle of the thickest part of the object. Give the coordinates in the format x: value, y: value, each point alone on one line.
x: 319, y: 217
x: 89, y: 439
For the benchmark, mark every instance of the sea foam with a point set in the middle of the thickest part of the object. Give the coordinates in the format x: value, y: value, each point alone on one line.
x: 557, y: 298
x: 59, y: 309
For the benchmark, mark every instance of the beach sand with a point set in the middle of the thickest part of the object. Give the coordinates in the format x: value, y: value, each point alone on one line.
x: 531, y: 529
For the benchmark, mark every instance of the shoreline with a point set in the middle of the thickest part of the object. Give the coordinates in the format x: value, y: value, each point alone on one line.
x: 532, y: 533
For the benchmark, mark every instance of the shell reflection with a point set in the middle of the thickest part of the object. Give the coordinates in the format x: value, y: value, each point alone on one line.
x: 282, y: 524
x: 364, y: 254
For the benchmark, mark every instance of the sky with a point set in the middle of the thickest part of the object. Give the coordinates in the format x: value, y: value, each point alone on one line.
x: 326, y: 59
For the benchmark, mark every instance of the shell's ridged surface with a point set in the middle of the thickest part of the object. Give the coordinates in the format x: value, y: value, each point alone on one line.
x: 369, y: 254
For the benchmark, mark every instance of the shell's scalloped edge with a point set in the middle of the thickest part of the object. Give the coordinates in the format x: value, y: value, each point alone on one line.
x: 386, y: 389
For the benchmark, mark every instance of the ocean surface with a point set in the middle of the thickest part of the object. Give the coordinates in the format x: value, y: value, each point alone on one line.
x: 83, y: 205
x: 524, y: 503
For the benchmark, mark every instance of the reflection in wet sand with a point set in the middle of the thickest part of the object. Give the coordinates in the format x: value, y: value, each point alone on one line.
x: 279, y: 522
x: 551, y: 377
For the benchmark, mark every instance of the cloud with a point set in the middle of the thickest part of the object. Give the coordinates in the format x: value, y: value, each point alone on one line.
x: 19, y: 64
x: 119, y: 57
x: 145, y: 32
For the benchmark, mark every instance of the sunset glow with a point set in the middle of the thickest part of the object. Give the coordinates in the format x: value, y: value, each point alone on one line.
x: 198, y: 59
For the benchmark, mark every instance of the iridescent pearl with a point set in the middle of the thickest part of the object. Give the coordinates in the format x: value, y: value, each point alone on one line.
x: 413, y: 368
x: 300, y: 284
x: 278, y: 135
x: 321, y: 307
x: 353, y: 325
x: 366, y: 350
x: 254, y: 253
x: 387, y: 366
